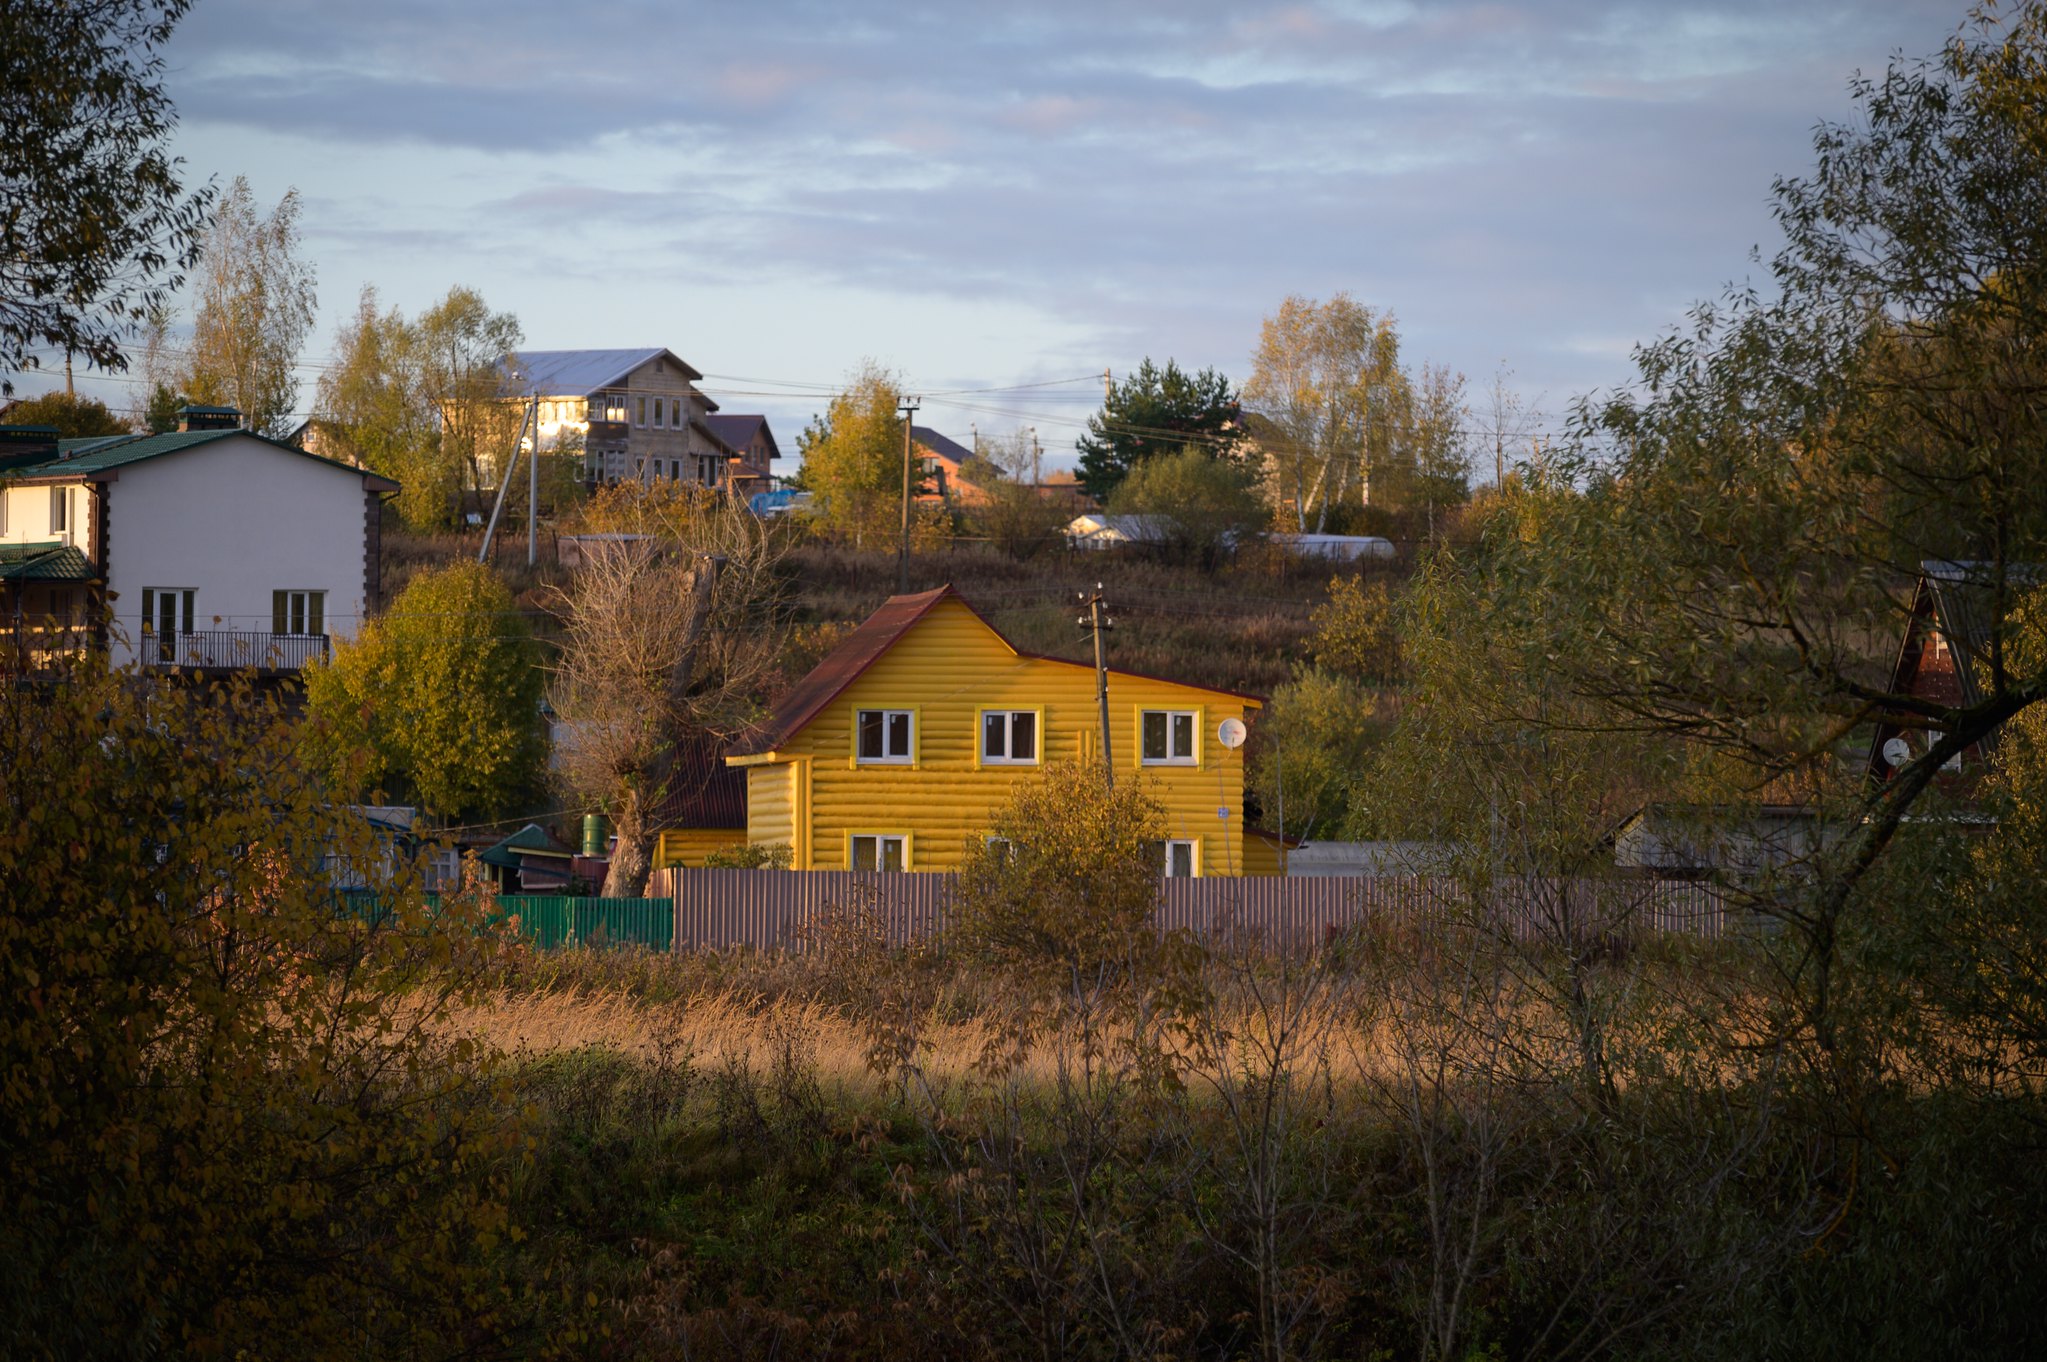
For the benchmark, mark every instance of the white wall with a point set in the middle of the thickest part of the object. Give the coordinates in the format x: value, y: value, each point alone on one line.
x: 235, y: 520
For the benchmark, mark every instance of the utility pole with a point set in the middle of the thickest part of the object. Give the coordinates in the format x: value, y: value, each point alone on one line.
x: 533, y: 486
x: 1037, y: 467
x: 69, y: 391
x: 1096, y: 622
x: 1108, y: 387
x: 908, y: 406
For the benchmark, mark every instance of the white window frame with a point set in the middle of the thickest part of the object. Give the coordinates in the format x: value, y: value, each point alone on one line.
x: 675, y: 420
x: 1010, y: 716
x: 888, y: 757
x: 1174, y: 757
x: 660, y: 413
x: 3, y: 510
x: 60, y: 510
x: 1192, y: 847
x: 878, y: 844
x: 298, y: 612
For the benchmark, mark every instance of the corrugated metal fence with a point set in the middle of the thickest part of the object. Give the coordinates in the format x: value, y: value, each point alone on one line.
x: 549, y: 921
x: 780, y: 909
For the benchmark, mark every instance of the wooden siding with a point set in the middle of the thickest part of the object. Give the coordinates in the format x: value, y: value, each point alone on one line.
x: 689, y: 846
x: 949, y: 668
x: 783, y: 910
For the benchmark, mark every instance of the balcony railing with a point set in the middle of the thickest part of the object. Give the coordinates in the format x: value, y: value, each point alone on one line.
x: 233, y: 650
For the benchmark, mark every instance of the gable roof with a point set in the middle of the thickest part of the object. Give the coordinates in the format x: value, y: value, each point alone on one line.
x: 531, y: 840
x: 940, y: 445
x: 105, y: 453
x: 566, y: 373
x: 1964, y: 607
x: 738, y: 431
x: 877, y: 634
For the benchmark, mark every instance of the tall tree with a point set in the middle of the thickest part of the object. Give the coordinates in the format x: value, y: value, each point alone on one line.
x: 74, y: 417
x: 1734, y: 563
x: 376, y: 403
x: 853, y: 456
x: 1438, y: 437
x: 96, y: 228
x: 254, y: 308
x: 668, y: 638
x: 1327, y: 376
x: 464, y: 350
x: 1156, y: 411
x: 437, y: 701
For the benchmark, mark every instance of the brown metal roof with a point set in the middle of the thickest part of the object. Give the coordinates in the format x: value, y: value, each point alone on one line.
x: 841, y: 668
x: 703, y: 792
x: 876, y: 635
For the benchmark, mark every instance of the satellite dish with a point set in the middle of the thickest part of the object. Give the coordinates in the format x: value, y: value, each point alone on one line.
x: 1230, y: 733
x: 1897, y: 752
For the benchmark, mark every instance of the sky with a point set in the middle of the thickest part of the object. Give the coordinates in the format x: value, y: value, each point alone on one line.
x: 998, y: 202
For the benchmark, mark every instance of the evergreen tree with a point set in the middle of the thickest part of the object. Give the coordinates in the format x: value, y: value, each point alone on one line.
x: 1156, y: 411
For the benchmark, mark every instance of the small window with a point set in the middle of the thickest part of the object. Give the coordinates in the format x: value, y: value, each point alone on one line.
x: 60, y: 509
x: 878, y: 851
x: 640, y: 412
x: 3, y: 511
x: 885, y: 735
x: 298, y: 613
x: 660, y: 413
x: 707, y: 469
x: 1167, y: 738
x: 1009, y: 737
x: 1175, y: 860
x: 675, y: 409
x: 1002, y: 848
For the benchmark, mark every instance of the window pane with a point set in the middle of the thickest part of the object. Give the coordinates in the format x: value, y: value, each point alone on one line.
x: 1183, y: 736
x: 1180, y: 860
x: 994, y: 735
x: 891, y: 853
x: 1023, y: 737
x: 899, y: 735
x: 1155, y: 735
x: 863, y: 853
x: 870, y: 734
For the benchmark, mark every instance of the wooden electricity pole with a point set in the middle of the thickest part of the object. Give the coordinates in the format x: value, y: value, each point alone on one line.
x: 908, y: 407
x: 1095, y: 621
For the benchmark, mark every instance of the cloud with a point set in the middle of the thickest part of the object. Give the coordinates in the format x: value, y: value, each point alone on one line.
x: 1147, y: 177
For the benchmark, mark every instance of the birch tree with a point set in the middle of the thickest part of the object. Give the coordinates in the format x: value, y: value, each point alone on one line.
x: 254, y: 308
x: 1328, y: 378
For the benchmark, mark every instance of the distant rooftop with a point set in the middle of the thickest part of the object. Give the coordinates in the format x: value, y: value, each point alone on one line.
x: 576, y: 373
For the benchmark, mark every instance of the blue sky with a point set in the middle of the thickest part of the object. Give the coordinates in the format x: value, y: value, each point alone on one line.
x: 990, y: 196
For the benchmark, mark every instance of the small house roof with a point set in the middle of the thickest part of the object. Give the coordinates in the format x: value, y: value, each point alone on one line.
x: 863, y: 647
x: 703, y: 792
x: 51, y: 562
x: 738, y: 429
x: 576, y: 373
x: 106, y: 453
x: 940, y: 445
x: 531, y: 840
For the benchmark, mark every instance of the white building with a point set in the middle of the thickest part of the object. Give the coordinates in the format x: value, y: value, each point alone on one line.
x: 213, y: 549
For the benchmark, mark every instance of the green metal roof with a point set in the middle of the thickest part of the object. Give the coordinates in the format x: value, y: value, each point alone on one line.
x: 82, y: 458
x: 531, y: 840
x: 52, y: 562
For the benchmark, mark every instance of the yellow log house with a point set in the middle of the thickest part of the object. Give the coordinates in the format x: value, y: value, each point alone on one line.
x: 895, y: 751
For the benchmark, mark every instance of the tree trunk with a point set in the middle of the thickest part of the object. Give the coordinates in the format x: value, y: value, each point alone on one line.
x: 632, y: 856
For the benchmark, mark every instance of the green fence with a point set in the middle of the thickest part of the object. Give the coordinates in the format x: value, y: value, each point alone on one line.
x: 550, y: 920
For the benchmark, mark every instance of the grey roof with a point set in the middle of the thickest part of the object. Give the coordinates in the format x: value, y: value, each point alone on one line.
x: 577, y: 373
x: 737, y: 431
x: 939, y: 444
x: 1965, y: 607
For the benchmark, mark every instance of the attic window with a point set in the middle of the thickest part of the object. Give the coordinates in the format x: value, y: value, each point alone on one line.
x: 884, y: 736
